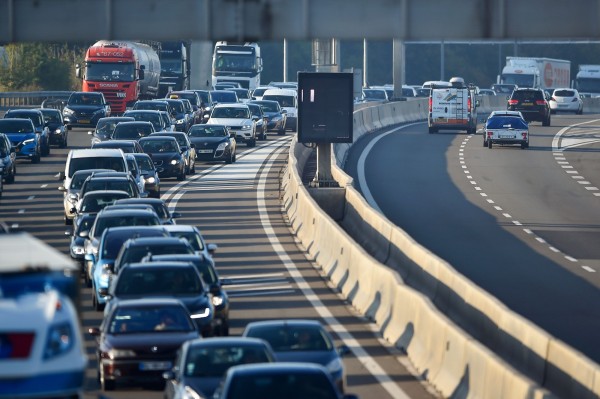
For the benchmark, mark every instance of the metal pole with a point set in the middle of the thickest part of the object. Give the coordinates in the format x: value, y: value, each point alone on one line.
x: 365, y: 63
x: 442, y: 60
x: 285, y: 59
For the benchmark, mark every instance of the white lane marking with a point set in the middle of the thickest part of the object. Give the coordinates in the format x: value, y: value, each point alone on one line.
x: 360, y: 167
x: 584, y: 182
x: 527, y: 231
x: 557, y: 140
x: 490, y: 201
x: 570, y: 258
x: 246, y: 294
x: 367, y: 361
x: 588, y: 269
x: 30, y: 197
x: 473, y: 183
x: 478, y: 188
x: 496, y: 207
x: 43, y: 186
x: 517, y: 223
x: 554, y: 249
x: 251, y: 276
x: 577, y: 177
x: 14, y: 226
x: 266, y: 285
x: 257, y: 287
x: 540, y: 240
x: 572, y: 172
x: 21, y: 211
x: 592, y: 188
x: 483, y: 194
x: 566, y: 167
x: 507, y: 215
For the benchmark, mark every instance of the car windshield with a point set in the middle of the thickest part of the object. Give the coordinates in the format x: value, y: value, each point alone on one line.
x: 85, y: 99
x: 180, y: 139
x: 85, y: 224
x: 95, y: 203
x: 145, y: 163
x: 528, y: 95
x: 78, y: 179
x: 114, y: 163
x: 269, y: 107
x: 505, y: 122
x: 235, y: 113
x: 158, y: 281
x: 51, y: 116
x: 153, y: 118
x: 256, y: 111
x: 215, y: 360
x: 113, y: 72
x: 207, y: 131
x: 284, y: 101
x: 193, y: 238
x: 131, y: 132
x: 378, y: 94
x: 154, y: 146
x: 286, y: 338
x: 259, y: 91
x: 135, y: 320
x: 151, y: 105
x: 203, y: 96
x: 177, y: 106
x: 137, y: 252
x: 282, y: 385
x: 34, y: 117
x: 16, y: 127
x: 222, y: 96
x: 122, y: 220
x: 120, y: 185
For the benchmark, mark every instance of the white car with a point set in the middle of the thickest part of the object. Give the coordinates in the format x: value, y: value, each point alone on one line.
x: 566, y: 100
x: 41, y: 349
x: 506, y: 127
x: 238, y: 118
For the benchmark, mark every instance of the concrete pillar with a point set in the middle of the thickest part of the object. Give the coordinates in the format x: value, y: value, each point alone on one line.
x: 399, y: 67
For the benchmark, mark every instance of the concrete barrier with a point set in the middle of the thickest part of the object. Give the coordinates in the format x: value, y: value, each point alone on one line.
x: 465, y: 368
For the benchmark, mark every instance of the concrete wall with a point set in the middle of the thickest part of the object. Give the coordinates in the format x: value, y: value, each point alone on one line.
x: 419, y: 301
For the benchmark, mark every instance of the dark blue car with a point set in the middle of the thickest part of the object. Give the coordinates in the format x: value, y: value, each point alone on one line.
x: 58, y: 131
x: 85, y: 109
x: 23, y: 138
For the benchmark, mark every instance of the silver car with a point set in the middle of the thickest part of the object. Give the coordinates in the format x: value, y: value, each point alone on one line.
x: 71, y: 191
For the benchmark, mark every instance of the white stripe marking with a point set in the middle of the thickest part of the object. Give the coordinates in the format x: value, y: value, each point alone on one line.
x: 245, y: 294
x: 496, y: 207
x: 44, y: 185
x: 588, y: 269
x: 528, y: 231
x: 540, y: 239
x: 570, y: 258
x: 506, y: 215
x: 554, y: 249
x: 21, y: 211
x: 30, y: 197
x: 517, y: 223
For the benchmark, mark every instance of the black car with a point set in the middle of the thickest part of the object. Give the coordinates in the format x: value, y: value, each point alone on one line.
x: 261, y: 120
x: 165, y: 154
x: 164, y: 279
x: 36, y: 116
x: 120, y: 181
x: 206, y: 268
x: 133, y: 130
x: 166, y: 217
x: 134, y: 250
x: 149, y: 174
x: 78, y: 235
x: 139, y: 339
x: 276, y: 116
x: 532, y: 103
x: 130, y: 146
x: 7, y: 160
x: 155, y: 105
x: 194, y: 100
x: 201, y: 363
x: 85, y: 108
x: 213, y: 143
x: 224, y: 97
x: 148, y: 115
x: 188, y: 149
x: 58, y: 130
x: 106, y: 126
x: 182, y: 119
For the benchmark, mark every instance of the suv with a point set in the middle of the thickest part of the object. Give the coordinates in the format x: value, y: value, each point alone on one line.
x: 85, y: 108
x: 532, y: 103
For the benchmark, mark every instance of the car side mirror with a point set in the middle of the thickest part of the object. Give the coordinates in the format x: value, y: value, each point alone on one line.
x: 94, y: 331
x: 175, y: 215
x: 343, y: 350
x: 212, y: 248
x: 193, y: 145
x: 215, y: 289
x: 284, y: 111
x: 103, y: 291
x: 62, y: 188
x: 61, y: 176
x: 232, y: 135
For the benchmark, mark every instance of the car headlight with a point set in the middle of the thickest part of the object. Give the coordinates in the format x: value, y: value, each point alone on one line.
x: 68, y: 111
x: 246, y: 127
x: 60, y: 340
x: 222, y: 146
x: 174, y: 161
x: 180, y: 121
x: 335, y: 365
x: 217, y: 300
x: 78, y: 250
x: 150, y: 180
x: 58, y: 131
x: 292, y: 114
x: 189, y: 393
x: 118, y: 353
x: 104, y: 277
x: 201, y: 314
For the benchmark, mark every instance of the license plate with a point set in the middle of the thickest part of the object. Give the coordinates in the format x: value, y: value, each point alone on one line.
x: 205, y: 151
x: 84, y: 121
x: 507, y: 136
x: 151, y: 366
x: 563, y: 105
x: 527, y: 104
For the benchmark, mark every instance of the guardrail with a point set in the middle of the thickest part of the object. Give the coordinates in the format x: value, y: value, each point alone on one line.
x: 402, y: 287
x: 31, y: 99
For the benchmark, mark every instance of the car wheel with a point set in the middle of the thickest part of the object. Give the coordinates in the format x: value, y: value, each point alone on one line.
x: 485, y: 143
x: 97, y: 306
x: 11, y: 178
x: 86, y: 278
x: 579, y: 112
x: 546, y: 121
x: 234, y: 156
x: 107, y: 385
x: 553, y: 112
x: 63, y: 144
x: 230, y: 159
x: 224, y: 329
x: 490, y: 144
x: 46, y: 150
x: 281, y: 131
x: 181, y: 176
x: 36, y: 158
x: 251, y: 143
x: 523, y: 146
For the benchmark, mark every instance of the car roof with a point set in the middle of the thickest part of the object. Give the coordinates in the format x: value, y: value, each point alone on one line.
x: 231, y: 105
x: 126, y: 212
x: 117, y: 118
x: 24, y: 110
x: 208, y: 125
x: 114, y: 143
x: 129, y: 229
x: 146, y: 200
x: 157, y: 137
x: 230, y: 340
x: 156, y: 265
x: 150, y: 301
x: 157, y: 240
x: 277, y: 91
x: 24, y: 120
x: 181, y: 227
x: 141, y: 111
x: 506, y: 113
x: 96, y: 152
x: 104, y: 192
x: 277, y: 368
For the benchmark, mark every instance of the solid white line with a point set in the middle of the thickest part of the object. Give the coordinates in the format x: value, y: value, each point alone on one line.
x: 251, y: 276
x: 588, y: 269
x: 257, y: 287
x: 558, y: 136
x: 360, y: 166
x: 367, y: 361
x: 245, y: 294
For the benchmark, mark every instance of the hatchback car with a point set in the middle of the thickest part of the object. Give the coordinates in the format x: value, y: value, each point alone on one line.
x: 202, y: 363
x: 85, y: 108
x: 134, y: 250
x: 146, y: 115
x: 166, y: 155
x: 39, y: 126
x: 238, y: 118
x: 166, y: 216
x: 278, y: 380
x: 7, y: 160
x: 276, y: 116
x: 132, y: 130
x: 506, y: 127
x: 58, y: 130
x: 72, y: 189
x: 23, y: 138
x: 188, y: 149
x: 106, y: 126
x: 297, y: 340
x: 149, y: 174
x: 139, y: 340
x: 164, y: 279
x: 566, y: 100
x: 213, y: 143
x: 532, y: 103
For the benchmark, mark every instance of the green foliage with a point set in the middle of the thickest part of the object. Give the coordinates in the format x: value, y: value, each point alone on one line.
x: 39, y: 66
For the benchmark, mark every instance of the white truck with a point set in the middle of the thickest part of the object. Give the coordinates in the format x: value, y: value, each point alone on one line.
x: 537, y: 73
x: 238, y: 63
x: 587, y: 81
x: 452, y: 108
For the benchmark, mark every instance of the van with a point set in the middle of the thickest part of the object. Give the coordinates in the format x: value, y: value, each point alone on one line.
x: 452, y: 108
x: 288, y: 101
x: 99, y: 158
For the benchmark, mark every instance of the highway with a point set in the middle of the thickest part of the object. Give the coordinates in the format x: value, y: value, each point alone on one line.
x: 237, y: 207
x: 522, y: 224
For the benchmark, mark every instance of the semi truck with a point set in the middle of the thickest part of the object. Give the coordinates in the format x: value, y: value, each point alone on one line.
x: 587, y: 81
x: 538, y: 73
x: 124, y: 71
x: 237, y: 63
x: 174, y: 67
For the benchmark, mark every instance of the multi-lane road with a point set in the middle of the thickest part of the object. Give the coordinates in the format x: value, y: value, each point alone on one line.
x: 522, y: 224
x: 238, y: 207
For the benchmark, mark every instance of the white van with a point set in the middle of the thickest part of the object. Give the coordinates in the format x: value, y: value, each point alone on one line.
x: 99, y: 158
x: 452, y: 108
x: 288, y: 101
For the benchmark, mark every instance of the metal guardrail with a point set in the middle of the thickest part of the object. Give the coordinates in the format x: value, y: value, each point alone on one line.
x: 32, y: 99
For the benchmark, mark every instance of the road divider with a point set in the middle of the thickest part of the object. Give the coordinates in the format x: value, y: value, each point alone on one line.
x: 446, y: 324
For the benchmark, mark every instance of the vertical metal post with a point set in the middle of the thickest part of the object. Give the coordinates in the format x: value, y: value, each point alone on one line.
x: 398, y: 66
x: 285, y: 60
x: 442, y: 60
x: 323, y: 178
x: 365, y: 63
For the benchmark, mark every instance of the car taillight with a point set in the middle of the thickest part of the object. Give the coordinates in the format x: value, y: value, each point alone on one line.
x: 540, y: 102
x: 552, y: 99
x: 513, y: 102
x: 524, y: 134
x: 469, y: 104
x: 430, y: 104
